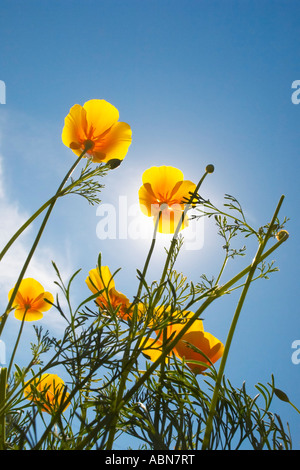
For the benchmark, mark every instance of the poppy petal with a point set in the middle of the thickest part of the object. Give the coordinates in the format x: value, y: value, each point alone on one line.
x: 97, y: 282
x: 162, y: 179
x: 152, y: 348
x: 148, y: 202
x: 75, y: 128
x: 100, y: 116
x: 31, y: 315
x: 182, y: 193
x: 39, y: 303
x: 114, y: 145
x: 205, y: 342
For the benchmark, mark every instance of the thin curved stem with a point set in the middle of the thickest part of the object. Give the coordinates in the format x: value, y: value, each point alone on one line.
x: 256, y: 261
x: 295, y: 408
x: 225, y: 214
x: 26, y: 224
x: 165, y: 270
x: 222, y: 290
x: 164, y: 274
x: 148, y: 256
x: 36, y: 241
x: 16, y: 344
x: 33, y: 217
x: 175, y: 236
x: 126, y: 358
x: 222, y: 270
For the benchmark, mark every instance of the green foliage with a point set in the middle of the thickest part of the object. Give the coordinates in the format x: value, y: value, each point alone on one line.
x: 86, y: 184
x: 162, y: 414
x: 113, y: 389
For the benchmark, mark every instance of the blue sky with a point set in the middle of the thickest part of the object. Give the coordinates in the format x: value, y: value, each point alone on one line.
x: 199, y: 82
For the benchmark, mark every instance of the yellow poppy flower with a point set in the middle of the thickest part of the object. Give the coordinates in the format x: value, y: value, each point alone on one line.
x: 48, y: 391
x: 211, y: 347
x: 30, y: 300
x: 96, y: 124
x: 165, y: 191
x: 195, y: 336
x: 110, y: 298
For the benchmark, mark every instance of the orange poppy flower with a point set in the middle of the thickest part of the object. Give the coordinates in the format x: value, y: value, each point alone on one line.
x: 165, y: 192
x: 98, y: 281
x: 30, y: 300
x: 96, y: 124
x: 48, y: 391
x: 187, y: 347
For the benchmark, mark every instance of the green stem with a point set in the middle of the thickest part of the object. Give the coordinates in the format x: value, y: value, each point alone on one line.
x: 173, y: 242
x: 65, y: 191
x: 222, y: 290
x: 55, y: 418
x: 236, y: 219
x: 256, y: 261
x: 16, y: 344
x: 24, y: 226
x: 295, y: 408
x: 3, y: 382
x: 36, y: 241
x: 126, y: 360
x: 222, y: 270
x: 34, y: 216
x: 164, y: 274
x: 148, y: 257
x: 175, y: 236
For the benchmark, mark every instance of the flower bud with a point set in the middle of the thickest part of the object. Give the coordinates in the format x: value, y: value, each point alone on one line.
x: 281, y: 395
x: 210, y: 168
x: 282, y: 234
x: 114, y: 163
